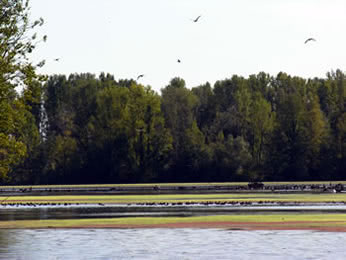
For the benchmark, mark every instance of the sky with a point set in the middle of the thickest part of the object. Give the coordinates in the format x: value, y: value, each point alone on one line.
x: 130, y: 37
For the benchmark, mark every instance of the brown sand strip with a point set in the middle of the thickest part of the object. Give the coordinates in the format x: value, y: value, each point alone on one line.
x: 299, y: 225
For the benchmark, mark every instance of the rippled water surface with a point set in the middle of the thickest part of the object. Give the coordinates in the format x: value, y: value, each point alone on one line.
x: 170, y: 244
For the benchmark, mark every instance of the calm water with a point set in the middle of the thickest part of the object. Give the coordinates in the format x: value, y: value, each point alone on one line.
x: 170, y: 244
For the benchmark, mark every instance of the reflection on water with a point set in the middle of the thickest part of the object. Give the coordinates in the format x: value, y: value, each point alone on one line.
x: 170, y: 244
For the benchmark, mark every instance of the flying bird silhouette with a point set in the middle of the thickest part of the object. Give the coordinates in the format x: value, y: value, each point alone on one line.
x: 196, y: 20
x: 140, y: 76
x: 178, y: 60
x: 57, y: 59
x: 309, y: 39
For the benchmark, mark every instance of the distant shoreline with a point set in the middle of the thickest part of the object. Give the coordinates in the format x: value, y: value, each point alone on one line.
x: 175, y: 188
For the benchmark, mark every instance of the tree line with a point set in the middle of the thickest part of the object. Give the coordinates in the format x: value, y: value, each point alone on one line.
x: 88, y: 129
x: 84, y: 128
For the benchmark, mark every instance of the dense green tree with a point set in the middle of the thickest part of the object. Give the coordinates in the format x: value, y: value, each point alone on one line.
x: 224, y: 92
x: 261, y: 125
x: 316, y: 132
x: 231, y: 159
x: 87, y: 129
x: 195, y: 155
x: 17, y: 41
x: 61, y: 160
x: 340, y: 146
x: 128, y: 135
x: 206, y: 108
x: 178, y: 106
x: 288, y: 143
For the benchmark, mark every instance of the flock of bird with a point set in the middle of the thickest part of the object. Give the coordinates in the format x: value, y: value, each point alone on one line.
x: 195, y: 21
x: 179, y: 60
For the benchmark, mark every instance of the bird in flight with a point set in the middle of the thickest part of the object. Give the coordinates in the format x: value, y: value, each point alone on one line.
x: 57, y: 59
x: 140, y: 76
x: 309, y: 39
x: 178, y: 60
x: 196, y: 20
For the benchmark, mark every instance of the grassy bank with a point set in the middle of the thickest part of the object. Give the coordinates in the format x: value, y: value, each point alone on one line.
x: 296, y: 221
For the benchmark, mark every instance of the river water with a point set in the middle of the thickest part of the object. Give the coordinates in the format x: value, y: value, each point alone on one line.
x: 170, y: 244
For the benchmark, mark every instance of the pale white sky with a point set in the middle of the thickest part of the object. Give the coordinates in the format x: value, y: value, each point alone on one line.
x: 131, y: 37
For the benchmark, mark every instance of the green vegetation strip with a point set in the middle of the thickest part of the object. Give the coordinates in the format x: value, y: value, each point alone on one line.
x: 168, y: 184
x: 311, y: 220
x: 196, y: 198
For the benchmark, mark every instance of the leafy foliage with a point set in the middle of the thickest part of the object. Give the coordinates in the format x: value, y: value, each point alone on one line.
x: 16, y: 43
x: 99, y: 130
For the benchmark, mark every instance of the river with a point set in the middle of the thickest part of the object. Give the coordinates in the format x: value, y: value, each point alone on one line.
x: 169, y: 244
